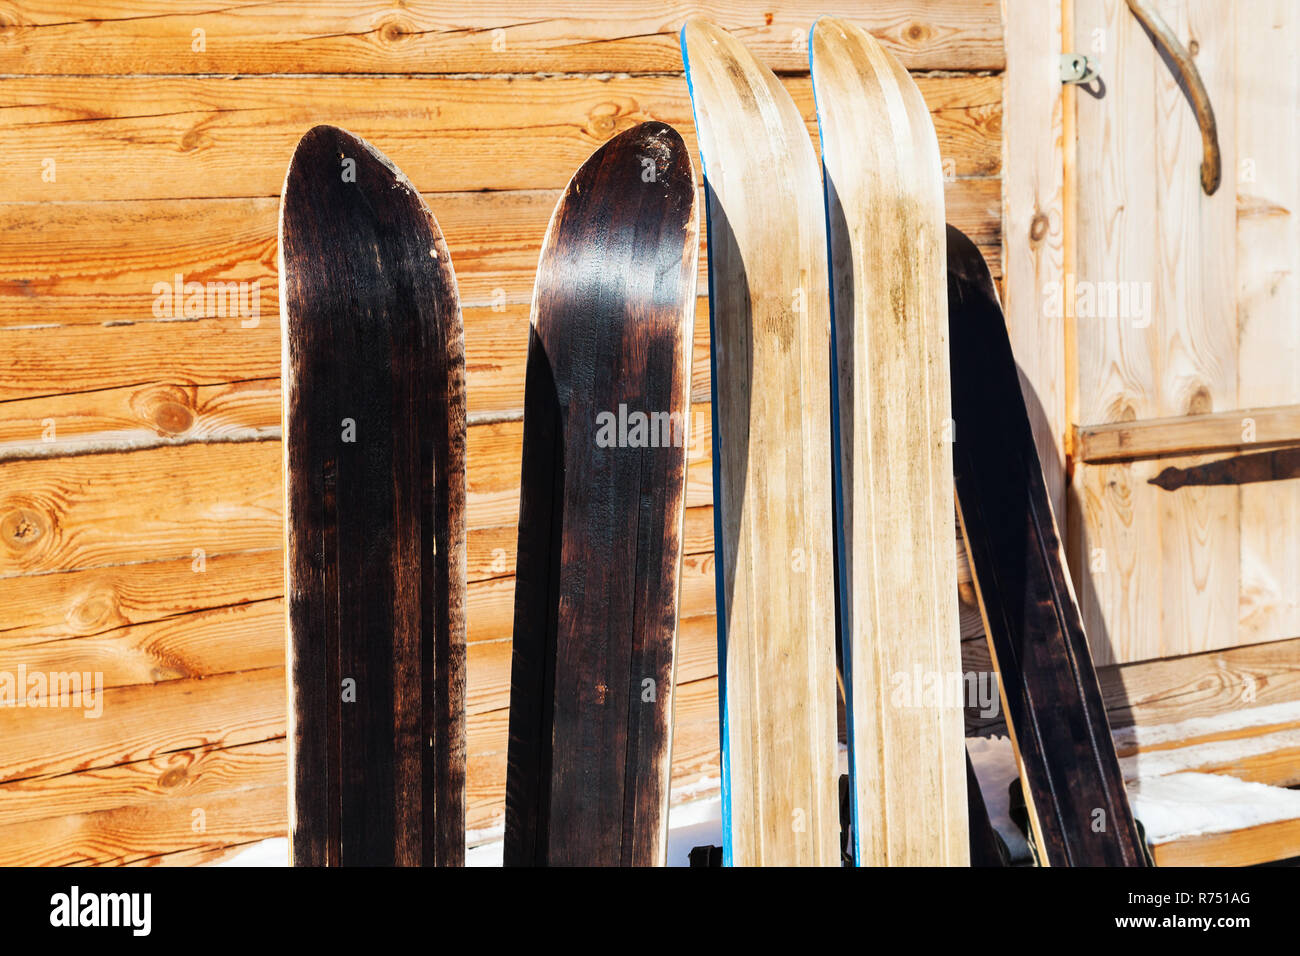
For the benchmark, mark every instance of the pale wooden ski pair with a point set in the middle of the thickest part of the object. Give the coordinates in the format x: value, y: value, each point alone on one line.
x: 852, y: 341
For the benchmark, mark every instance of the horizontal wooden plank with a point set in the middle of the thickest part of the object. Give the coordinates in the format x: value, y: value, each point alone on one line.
x: 440, y: 36
x: 1173, y: 690
x: 202, y: 644
x: 185, y: 137
x: 1190, y: 434
x: 143, y: 722
x: 209, y: 854
x: 147, y: 416
x: 135, y: 834
x: 1279, y: 840
x: 61, y: 359
x: 164, y: 503
x: 76, y: 603
x: 195, y: 775
x: 1201, y: 685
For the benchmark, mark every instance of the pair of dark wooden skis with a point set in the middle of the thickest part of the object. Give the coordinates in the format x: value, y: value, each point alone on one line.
x: 374, y: 437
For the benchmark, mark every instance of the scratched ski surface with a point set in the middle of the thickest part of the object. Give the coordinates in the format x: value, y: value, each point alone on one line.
x: 374, y: 459
x: 899, y: 628
x: 770, y: 335
x: 606, y: 409
x: 1074, y: 790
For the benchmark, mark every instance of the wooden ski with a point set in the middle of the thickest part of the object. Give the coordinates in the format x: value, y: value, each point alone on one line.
x: 606, y: 409
x: 1074, y: 790
x: 374, y: 482
x: 770, y: 334
x: 898, y: 617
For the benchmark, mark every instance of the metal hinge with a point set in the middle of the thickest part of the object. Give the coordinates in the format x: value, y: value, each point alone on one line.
x: 1077, y: 68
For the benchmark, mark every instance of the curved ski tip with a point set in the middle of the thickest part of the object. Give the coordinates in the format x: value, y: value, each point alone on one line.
x: 329, y: 145
x: 647, y: 143
x: 698, y: 30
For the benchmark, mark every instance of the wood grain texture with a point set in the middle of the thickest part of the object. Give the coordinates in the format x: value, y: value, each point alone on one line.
x: 173, y: 502
x: 601, y: 511
x: 1132, y: 565
x: 1260, y: 844
x: 187, y: 137
x: 770, y: 331
x: 48, y: 607
x: 1189, y: 434
x: 897, y: 575
x: 196, y: 774
x: 695, y: 756
x: 146, y: 416
x: 1212, y: 338
x: 146, y: 721
x: 1033, y: 215
x: 438, y: 36
x: 374, y: 459
x: 1267, y: 113
x: 131, y: 835
x: 1050, y: 694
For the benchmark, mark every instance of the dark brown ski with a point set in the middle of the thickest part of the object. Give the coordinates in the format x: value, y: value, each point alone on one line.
x: 1079, y: 811
x: 374, y: 441
x: 600, y: 519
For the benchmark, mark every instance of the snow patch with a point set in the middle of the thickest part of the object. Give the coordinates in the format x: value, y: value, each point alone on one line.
x: 273, y: 852
x: 1190, y: 804
x: 1159, y: 763
x: 995, y: 766
x: 1128, y: 738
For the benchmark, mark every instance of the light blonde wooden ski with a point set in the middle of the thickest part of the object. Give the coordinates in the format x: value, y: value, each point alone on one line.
x: 894, y: 486
x: 770, y: 325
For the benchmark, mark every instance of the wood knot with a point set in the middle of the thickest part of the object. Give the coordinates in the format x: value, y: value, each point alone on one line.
x: 1200, y: 402
x: 168, y: 409
x: 1038, y: 227
x: 767, y: 19
x: 24, y: 527
x: 394, y: 31
x: 172, y: 418
x: 916, y: 33
x: 192, y: 139
x: 95, y: 611
x: 174, y: 777
x: 602, y: 121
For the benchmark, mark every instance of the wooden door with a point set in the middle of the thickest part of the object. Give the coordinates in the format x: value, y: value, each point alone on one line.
x: 1183, y: 310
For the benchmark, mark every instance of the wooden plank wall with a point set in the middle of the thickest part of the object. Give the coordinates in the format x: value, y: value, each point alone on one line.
x: 140, y: 501
x: 1169, y: 573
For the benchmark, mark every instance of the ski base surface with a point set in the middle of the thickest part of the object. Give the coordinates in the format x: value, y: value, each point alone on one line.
x: 1074, y: 791
x: 374, y: 479
x: 606, y: 410
x: 897, y: 586
x: 770, y: 349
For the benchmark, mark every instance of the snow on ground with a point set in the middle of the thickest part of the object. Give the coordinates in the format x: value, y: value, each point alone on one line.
x: 995, y: 768
x: 1159, y: 763
x: 1127, y: 738
x: 1188, y: 804
x: 273, y: 852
